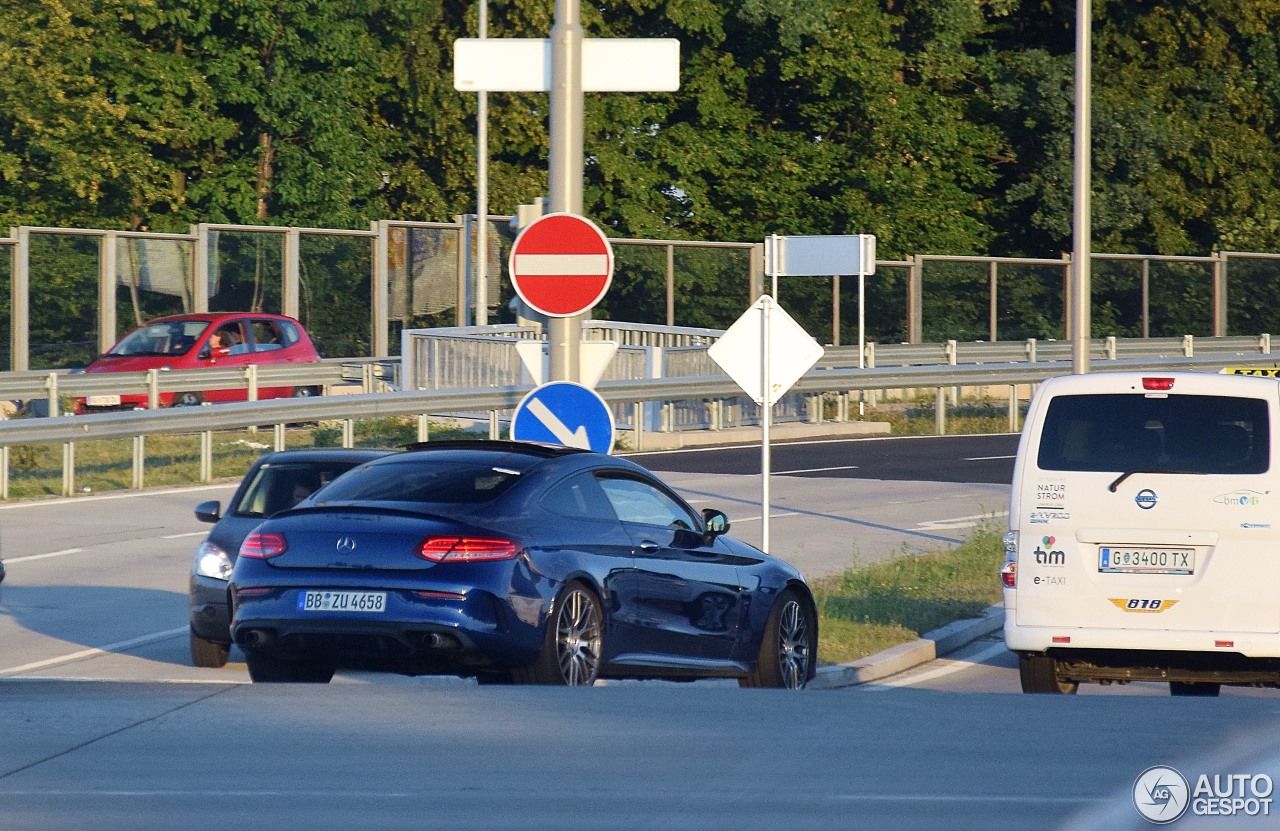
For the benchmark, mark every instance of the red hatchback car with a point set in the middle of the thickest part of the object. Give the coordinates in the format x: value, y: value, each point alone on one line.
x: 196, y: 341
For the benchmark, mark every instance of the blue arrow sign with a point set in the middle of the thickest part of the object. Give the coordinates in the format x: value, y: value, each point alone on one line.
x: 563, y: 412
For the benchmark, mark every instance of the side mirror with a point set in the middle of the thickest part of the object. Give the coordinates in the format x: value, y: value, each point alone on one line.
x: 716, y: 522
x: 210, y: 511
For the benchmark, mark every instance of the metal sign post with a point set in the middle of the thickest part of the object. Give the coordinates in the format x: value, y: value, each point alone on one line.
x: 565, y: 163
x: 766, y: 421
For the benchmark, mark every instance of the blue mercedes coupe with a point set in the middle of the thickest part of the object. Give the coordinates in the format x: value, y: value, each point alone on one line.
x: 512, y: 562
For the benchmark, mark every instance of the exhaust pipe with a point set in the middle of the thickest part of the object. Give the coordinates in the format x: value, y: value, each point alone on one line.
x: 254, y: 638
x: 434, y: 640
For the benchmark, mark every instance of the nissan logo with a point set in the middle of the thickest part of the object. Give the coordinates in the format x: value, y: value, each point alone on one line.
x: 346, y: 545
x: 1146, y: 499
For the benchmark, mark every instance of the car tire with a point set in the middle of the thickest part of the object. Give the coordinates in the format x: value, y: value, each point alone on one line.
x: 574, y: 641
x: 267, y: 669
x: 207, y: 653
x: 187, y: 399
x: 305, y: 392
x: 1194, y: 689
x: 1039, y: 674
x: 788, y: 647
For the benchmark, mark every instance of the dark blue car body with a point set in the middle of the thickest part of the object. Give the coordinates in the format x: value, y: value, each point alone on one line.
x: 674, y: 598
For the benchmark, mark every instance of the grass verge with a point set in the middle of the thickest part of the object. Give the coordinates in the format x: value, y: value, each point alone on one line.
x: 880, y: 605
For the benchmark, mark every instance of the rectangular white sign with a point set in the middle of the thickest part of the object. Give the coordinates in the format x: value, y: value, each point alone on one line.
x: 820, y: 256
x: 608, y: 64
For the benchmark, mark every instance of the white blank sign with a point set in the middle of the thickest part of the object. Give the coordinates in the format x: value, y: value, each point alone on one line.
x: 820, y: 256
x: 608, y: 64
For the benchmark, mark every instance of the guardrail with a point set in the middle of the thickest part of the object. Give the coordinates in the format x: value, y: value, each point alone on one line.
x: 1100, y: 349
x: 371, y: 374
x: 420, y: 404
x: 499, y: 365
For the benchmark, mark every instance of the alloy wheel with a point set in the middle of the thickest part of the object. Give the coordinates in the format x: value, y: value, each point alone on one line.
x: 793, y: 646
x: 578, y: 638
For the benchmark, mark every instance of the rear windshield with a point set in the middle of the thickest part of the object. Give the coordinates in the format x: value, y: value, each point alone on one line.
x: 278, y: 486
x: 1177, y: 433
x: 418, y: 479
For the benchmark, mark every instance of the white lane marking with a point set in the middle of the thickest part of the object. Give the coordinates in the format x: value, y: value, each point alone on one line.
x: 958, y: 522
x: 13, y: 506
x: 737, y: 520
x: 816, y: 469
x: 31, y: 557
x: 89, y: 653
x: 987, y: 458
x: 90, y: 680
x: 956, y: 665
x: 570, y: 438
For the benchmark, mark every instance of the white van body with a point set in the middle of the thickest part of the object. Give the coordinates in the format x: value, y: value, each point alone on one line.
x: 1144, y: 535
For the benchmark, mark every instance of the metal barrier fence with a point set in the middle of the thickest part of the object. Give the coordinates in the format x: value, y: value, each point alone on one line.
x: 487, y: 356
x: 357, y: 290
x: 816, y: 386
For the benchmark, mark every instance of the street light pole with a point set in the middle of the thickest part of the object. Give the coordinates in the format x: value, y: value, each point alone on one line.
x: 565, y: 164
x: 482, y: 189
x: 1081, y: 291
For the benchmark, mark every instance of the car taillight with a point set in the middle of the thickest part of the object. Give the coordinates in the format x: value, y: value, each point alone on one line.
x: 471, y: 549
x: 263, y: 546
x: 1157, y: 384
x: 1009, y: 575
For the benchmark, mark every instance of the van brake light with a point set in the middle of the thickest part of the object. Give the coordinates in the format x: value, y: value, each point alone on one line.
x: 1157, y: 384
x: 1009, y: 575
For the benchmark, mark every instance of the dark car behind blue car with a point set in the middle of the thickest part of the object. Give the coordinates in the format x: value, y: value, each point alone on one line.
x: 508, y: 561
x: 274, y: 482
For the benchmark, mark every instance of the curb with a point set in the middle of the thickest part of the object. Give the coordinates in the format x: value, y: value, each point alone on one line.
x: 896, y: 659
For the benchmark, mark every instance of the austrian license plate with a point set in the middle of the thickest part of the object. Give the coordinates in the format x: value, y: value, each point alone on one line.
x: 333, y: 601
x: 1147, y: 560
x: 102, y: 400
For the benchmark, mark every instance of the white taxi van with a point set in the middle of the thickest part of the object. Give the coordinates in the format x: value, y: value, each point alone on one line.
x: 1144, y: 540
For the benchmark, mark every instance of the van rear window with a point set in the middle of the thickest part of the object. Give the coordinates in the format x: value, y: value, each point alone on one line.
x: 1177, y: 433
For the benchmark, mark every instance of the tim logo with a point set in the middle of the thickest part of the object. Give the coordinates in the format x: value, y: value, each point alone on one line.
x: 1049, y: 557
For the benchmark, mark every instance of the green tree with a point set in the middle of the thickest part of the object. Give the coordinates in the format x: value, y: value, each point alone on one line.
x: 91, y: 115
x: 298, y: 79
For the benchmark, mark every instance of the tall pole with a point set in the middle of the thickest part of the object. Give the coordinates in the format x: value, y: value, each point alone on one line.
x: 565, y: 164
x: 1081, y: 324
x: 482, y: 189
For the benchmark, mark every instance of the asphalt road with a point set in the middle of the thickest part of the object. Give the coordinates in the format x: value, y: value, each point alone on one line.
x: 643, y: 756
x: 984, y: 459
x: 107, y: 726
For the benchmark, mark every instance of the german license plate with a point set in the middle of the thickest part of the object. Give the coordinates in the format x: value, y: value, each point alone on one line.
x: 103, y: 400
x: 333, y: 601
x: 1127, y: 560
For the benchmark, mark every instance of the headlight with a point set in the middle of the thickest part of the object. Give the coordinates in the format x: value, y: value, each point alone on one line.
x: 212, y: 561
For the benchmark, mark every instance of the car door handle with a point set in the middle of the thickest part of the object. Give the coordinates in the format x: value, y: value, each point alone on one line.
x: 649, y: 546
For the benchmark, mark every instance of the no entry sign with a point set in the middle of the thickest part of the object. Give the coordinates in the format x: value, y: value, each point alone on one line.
x: 561, y: 264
